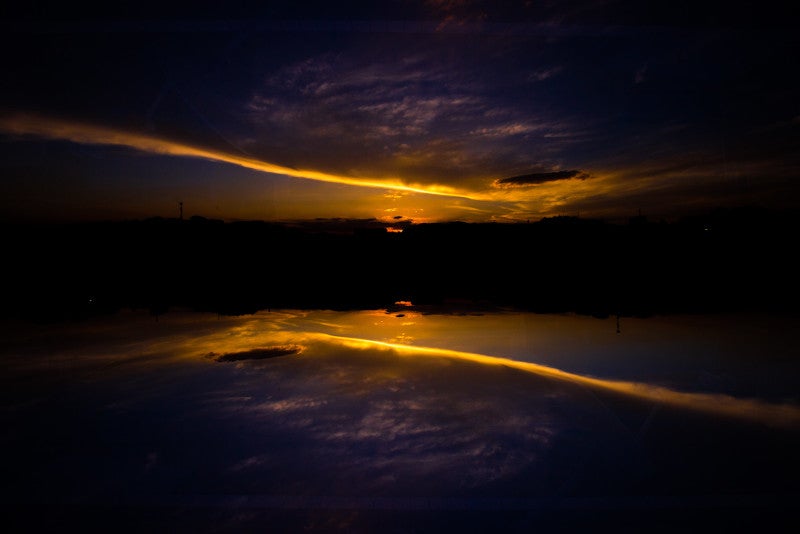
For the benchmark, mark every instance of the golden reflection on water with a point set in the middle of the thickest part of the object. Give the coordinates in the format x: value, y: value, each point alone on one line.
x: 718, y: 404
x: 516, y: 341
x: 351, y: 413
x: 318, y: 332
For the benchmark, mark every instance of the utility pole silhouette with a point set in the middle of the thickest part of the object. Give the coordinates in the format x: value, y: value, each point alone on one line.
x: 180, y: 209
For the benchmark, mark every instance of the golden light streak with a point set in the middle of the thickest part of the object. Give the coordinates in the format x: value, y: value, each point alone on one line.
x: 98, y: 135
x: 598, y: 197
x: 719, y: 404
x: 230, y: 335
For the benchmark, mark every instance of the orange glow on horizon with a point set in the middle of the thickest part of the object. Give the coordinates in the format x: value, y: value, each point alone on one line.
x: 476, y: 198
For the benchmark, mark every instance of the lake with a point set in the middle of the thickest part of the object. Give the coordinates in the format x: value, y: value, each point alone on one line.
x: 401, y: 421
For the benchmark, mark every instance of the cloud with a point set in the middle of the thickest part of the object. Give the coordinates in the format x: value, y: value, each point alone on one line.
x: 43, y: 127
x: 361, y: 99
x: 538, y: 178
x: 545, y: 74
x: 258, y: 353
x: 779, y: 415
x: 506, y: 130
x: 417, y: 111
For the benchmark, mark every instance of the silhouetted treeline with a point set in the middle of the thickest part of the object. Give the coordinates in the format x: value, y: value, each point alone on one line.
x: 728, y: 260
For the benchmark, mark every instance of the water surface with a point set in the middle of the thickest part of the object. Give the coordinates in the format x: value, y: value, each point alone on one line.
x: 325, y: 420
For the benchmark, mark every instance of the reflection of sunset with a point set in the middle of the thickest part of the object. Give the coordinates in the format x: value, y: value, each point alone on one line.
x: 401, y: 335
x: 302, y: 404
x: 725, y: 405
x: 315, y: 336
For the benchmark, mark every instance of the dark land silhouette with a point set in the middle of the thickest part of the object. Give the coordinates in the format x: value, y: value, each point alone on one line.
x: 729, y: 260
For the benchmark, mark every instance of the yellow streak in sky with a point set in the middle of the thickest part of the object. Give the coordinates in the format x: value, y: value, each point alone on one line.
x: 785, y: 415
x: 98, y: 135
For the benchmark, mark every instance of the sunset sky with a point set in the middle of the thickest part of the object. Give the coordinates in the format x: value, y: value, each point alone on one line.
x: 422, y: 110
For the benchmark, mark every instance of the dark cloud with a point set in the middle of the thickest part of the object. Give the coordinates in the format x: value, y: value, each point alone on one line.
x: 537, y: 178
x: 257, y: 354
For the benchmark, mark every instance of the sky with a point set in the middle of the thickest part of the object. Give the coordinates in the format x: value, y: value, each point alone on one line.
x: 418, y: 111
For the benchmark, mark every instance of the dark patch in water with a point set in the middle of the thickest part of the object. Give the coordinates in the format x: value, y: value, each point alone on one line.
x: 262, y: 353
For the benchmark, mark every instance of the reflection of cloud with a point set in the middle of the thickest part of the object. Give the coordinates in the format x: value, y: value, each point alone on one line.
x: 726, y: 405
x: 433, y: 433
x: 389, y: 420
x: 258, y: 353
x: 394, y: 420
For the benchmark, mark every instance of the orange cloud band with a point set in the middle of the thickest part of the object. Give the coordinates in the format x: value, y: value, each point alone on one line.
x: 98, y: 135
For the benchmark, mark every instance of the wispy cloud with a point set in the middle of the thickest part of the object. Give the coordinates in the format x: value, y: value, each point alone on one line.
x: 506, y: 130
x: 541, y: 75
x: 422, y: 113
x: 90, y: 134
